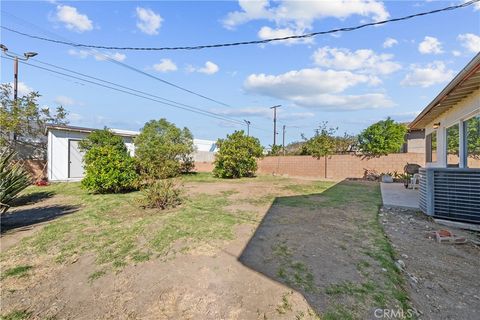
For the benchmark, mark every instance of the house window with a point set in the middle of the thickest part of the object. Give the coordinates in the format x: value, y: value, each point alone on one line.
x: 453, y: 143
x: 431, y: 147
x: 472, y: 142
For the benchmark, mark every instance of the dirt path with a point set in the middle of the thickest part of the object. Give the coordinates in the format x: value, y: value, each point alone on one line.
x: 444, y: 282
x: 309, y: 252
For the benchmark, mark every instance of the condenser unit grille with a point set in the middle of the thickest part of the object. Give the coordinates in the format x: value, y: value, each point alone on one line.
x: 456, y: 195
x: 422, y: 191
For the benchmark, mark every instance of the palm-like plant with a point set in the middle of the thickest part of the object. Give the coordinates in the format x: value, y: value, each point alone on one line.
x: 13, y: 179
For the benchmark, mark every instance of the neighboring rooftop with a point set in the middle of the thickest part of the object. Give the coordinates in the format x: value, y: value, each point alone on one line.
x: 120, y: 132
x: 464, y: 83
x: 201, y: 144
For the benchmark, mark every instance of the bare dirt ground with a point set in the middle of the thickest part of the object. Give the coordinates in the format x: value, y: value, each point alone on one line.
x: 443, y: 279
x: 304, y: 253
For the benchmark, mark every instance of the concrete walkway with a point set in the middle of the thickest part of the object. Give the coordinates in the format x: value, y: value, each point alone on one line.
x: 395, y: 195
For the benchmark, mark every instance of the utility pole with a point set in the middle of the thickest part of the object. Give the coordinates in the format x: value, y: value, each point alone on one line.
x: 26, y: 56
x: 248, y: 127
x: 275, y: 123
x: 283, y: 140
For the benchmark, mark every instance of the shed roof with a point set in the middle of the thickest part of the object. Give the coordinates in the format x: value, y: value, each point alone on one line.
x: 464, y: 83
x: 119, y: 132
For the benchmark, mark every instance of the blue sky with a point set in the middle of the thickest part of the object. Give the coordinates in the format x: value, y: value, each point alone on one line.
x: 349, y: 79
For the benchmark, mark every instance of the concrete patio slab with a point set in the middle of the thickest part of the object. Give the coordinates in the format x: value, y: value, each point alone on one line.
x: 395, y: 195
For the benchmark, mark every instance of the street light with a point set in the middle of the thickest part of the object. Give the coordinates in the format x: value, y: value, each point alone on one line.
x: 248, y: 127
x: 26, y: 56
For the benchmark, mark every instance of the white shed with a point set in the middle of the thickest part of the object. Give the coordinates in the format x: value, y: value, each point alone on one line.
x: 65, y: 160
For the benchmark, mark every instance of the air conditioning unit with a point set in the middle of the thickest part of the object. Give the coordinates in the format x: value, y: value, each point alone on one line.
x: 450, y: 193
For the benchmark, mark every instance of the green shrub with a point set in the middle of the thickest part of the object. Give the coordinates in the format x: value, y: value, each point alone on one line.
x: 237, y: 156
x: 162, y: 194
x: 163, y: 151
x: 13, y: 179
x: 382, y: 138
x: 102, y: 138
x: 108, y: 166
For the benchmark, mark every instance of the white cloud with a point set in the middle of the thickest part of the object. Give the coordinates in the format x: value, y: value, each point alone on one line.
x: 364, y: 60
x: 430, y: 45
x: 299, y: 115
x: 432, y: 73
x: 75, y: 117
x: 303, y: 13
x: 105, y: 56
x: 456, y: 53
x: 148, y: 21
x: 390, y: 42
x: 292, y: 16
x: 345, y: 102
x: 269, y: 33
x: 263, y: 112
x: 209, y: 68
x: 304, y: 81
x: 476, y: 6
x: 22, y: 89
x: 64, y: 101
x: 82, y: 54
x: 246, y: 112
x: 165, y: 65
x: 316, y: 88
x: 470, y: 41
x: 72, y: 19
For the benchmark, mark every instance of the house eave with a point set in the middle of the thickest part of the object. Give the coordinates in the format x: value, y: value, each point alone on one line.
x: 465, y: 83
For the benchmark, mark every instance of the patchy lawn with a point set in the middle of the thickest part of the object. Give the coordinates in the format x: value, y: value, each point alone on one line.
x: 259, y: 248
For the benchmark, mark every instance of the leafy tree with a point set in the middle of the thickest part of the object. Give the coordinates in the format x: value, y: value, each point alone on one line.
x: 345, y: 143
x: 294, y: 148
x: 275, y: 150
x: 108, y: 166
x: 322, y: 144
x: 237, y: 156
x: 163, y: 150
x: 382, y: 138
x: 473, y: 137
x: 23, y: 123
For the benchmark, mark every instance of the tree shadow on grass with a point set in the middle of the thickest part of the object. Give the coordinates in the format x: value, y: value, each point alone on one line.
x: 310, y: 243
x: 32, y: 198
x: 28, y: 217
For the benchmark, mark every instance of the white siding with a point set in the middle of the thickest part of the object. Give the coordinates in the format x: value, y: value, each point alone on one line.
x: 204, y: 145
x: 58, y: 152
x: 464, y: 110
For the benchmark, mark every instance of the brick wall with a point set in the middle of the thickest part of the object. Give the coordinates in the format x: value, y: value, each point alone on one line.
x: 36, y: 168
x: 203, y: 166
x: 338, y: 166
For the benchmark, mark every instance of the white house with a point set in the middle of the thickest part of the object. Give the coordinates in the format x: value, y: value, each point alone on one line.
x: 65, y: 160
x: 450, y: 183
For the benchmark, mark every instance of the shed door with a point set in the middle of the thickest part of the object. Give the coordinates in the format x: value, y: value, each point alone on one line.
x: 75, y: 160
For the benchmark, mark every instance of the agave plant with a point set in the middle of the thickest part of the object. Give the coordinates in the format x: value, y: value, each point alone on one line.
x: 13, y: 179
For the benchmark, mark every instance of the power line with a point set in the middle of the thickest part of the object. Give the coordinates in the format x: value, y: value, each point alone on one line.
x: 135, y: 90
x: 108, y: 58
x: 140, y: 95
x: 231, y: 44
